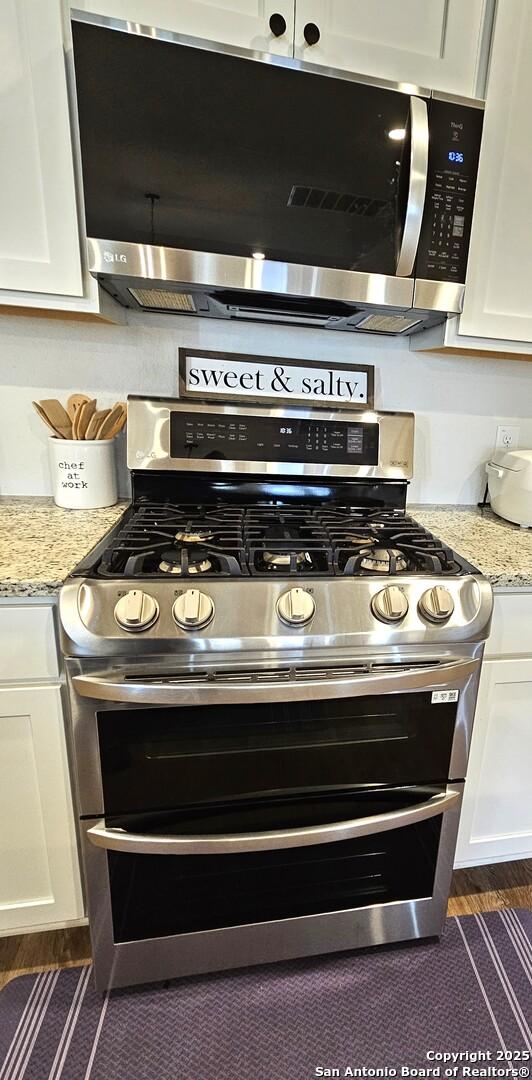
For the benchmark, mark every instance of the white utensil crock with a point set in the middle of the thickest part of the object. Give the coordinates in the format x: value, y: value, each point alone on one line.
x: 83, y: 472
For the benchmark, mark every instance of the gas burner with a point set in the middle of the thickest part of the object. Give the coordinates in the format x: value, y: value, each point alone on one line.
x: 193, y: 537
x: 281, y: 560
x: 384, y: 560
x: 181, y: 561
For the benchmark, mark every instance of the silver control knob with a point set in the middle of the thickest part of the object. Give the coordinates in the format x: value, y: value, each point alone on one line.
x: 193, y: 610
x: 296, y: 607
x: 136, y: 610
x: 436, y: 604
x: 390, y: 605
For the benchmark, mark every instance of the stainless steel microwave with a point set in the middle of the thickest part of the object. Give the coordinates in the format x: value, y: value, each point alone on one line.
x: 231, y: 184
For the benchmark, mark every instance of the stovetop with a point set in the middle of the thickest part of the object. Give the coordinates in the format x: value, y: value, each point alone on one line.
x: 196, y: 541
x: 262, y: 557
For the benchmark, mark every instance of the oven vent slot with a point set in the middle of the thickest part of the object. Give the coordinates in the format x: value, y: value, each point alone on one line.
x: 412, y: 665
x: 331, y: 673
x: 275, y: 675
x: 184, y: 679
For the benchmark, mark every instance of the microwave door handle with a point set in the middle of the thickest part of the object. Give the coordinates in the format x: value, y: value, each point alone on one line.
x: 417, y: 185
x: 146, y: 844
x: 436, y: 676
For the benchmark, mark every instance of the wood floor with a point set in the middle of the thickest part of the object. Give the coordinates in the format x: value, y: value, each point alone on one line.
x: 482, y: 888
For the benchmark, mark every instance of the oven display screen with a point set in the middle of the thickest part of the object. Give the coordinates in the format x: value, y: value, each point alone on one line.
x: 268, y: 438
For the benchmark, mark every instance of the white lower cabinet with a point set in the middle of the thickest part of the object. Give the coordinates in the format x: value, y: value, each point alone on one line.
x: 496, y: 821
x: 39, y: 878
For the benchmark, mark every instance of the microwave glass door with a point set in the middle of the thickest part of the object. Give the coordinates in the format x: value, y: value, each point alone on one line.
x: 174, y: 759
x: 196, y: 149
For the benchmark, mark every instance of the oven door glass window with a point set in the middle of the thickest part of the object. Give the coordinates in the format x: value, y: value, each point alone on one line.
x: 159, y: 895
x: 157, y: 759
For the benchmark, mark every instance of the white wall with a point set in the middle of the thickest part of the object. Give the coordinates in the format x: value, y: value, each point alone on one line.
x: 458, y: 401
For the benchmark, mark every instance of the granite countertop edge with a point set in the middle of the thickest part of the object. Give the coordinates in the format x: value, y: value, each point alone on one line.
x: 41, y: 543
x: 500, y: 550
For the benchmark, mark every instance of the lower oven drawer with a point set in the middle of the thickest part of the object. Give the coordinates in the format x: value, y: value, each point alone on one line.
x: 384, y: 848
x: 155, y: 896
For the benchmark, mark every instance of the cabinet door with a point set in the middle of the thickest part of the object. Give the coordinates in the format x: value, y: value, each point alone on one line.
x: 39, y: 242
x: 498, y: 295
x: 440, y: 44
x: 39, y: 880
x: 234, y: 22
x: 496, y: 821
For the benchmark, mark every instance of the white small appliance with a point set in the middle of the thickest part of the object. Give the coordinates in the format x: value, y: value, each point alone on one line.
x: 510, y: 485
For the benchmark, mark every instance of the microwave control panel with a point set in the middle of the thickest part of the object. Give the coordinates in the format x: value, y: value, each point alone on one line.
x: 455, y: 133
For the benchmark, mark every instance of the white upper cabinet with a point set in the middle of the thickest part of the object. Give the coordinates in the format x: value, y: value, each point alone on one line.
x: 498, y: 295
x: 440, y: 44
x: 39, y: 241
x: 244, y: 23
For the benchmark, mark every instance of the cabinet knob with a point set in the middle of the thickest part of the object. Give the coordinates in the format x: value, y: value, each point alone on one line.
x: 311, y: 33
x: 277, y: 24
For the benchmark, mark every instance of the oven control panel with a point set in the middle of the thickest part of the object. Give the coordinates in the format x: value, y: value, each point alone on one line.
x: 455, y: 133
x: 242, y: 437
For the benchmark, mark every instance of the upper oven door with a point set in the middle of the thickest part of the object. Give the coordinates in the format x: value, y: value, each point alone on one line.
x: 167, y: 746
x: 219, y: 151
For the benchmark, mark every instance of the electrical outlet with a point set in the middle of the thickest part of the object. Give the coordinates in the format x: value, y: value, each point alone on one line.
x: 507, y: 437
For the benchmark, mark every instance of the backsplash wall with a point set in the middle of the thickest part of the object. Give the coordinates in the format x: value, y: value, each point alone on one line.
x: 458, y: 401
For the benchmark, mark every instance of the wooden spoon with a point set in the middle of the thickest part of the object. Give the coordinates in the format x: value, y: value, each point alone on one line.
x: 119, y: 424
x: 58, y: 417
x: 74, y: 404
x: 113, y: 423
x: 40, y: 412
x: 83, y: 418
x: 95, y: 423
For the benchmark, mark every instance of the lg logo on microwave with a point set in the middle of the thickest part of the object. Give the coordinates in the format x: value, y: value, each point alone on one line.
x: 113, y: 257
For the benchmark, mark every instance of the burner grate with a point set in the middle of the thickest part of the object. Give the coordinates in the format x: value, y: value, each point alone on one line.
x: 206, y: 540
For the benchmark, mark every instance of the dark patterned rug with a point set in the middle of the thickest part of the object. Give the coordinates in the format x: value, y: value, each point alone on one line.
x: 392, y: 1009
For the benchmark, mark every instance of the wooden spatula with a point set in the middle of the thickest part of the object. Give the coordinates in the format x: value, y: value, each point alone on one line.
x: 113, y: 423
x: 74, y: 404
x: 58, y: 417
x: 83, y: 418
x: 95, y: 423
x: 40, y: 412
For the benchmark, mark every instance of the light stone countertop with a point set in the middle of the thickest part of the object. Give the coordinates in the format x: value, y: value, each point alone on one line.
x: 40, y: 543
x: 502, y: 551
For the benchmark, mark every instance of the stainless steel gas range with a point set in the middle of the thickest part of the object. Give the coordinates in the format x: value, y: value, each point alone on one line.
x: 273, y: 672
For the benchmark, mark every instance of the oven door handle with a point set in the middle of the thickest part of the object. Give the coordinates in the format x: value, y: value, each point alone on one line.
x: 417, y: 185
x: 436, y: 676
x: 146, y: 844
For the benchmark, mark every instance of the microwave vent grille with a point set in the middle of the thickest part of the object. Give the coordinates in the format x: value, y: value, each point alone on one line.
x: 163, y: 300
x: 387, y: 324
x: 341, y: 202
